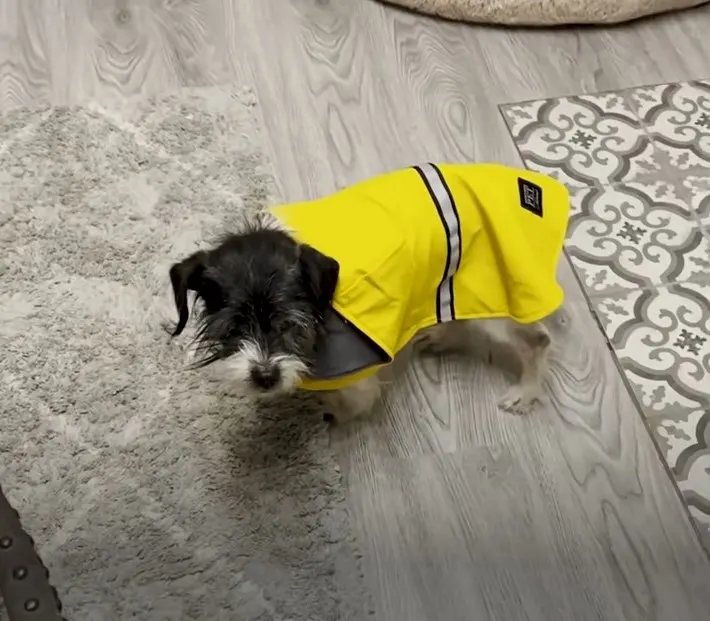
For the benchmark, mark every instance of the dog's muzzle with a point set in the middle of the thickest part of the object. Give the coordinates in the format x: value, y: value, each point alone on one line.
x: 265, y: 377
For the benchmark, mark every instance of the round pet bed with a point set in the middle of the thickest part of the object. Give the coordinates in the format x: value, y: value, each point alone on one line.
x: 545, y: 12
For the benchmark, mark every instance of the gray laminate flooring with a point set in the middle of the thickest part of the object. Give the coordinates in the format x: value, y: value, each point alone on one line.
x: 463, y: 513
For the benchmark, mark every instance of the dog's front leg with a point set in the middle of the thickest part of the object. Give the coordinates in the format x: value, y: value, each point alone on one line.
x: 354, y: 401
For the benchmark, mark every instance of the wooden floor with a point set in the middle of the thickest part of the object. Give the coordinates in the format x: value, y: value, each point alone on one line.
x: 463, y: 513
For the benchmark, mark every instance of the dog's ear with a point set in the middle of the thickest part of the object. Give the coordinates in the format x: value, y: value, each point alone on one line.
x: 186, y: 276
x: 320, y: 276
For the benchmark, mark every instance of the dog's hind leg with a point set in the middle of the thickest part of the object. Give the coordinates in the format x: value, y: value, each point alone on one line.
x: 532, y: 344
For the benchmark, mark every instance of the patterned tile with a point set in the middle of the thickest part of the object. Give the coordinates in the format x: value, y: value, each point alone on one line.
x: 698, y: 187
x: 638, y: 167
x: 662, y: 339
x: 635, y: 235
x: 582, y: 140
x: 678, y: 118
x: 684, y: 440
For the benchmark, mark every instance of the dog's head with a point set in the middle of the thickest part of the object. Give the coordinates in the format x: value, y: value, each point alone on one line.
x: 264, y: 297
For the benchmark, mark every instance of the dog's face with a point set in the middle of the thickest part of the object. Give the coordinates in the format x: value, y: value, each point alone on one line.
x: 264, y: 298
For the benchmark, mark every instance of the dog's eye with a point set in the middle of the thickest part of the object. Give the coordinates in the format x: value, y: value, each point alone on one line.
x: 285, y: 324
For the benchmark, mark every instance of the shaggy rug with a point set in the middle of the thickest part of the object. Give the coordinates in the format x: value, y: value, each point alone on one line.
x: 545, y: 12
x: 153, y: 493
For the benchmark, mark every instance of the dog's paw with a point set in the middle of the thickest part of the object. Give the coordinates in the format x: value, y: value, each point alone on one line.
x: 520, y: 400
x: 341, y: 419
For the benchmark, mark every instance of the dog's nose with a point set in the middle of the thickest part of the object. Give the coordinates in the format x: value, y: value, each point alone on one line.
x: 265, y: 377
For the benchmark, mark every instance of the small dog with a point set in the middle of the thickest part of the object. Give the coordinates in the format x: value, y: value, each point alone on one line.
x: 264, y: 299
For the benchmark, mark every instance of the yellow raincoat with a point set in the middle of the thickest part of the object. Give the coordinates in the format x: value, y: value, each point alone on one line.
x: 431, y: 243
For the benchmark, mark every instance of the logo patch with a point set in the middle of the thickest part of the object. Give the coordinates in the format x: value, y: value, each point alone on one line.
x: 530, y: 196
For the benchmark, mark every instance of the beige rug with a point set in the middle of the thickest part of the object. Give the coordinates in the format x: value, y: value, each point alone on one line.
x: 545, y: 12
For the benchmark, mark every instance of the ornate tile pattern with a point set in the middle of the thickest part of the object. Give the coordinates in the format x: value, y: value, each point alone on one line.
x: 662, y: 339
x: 677, y: 117
x: 582, y: 140
x: 684, y: 440
x: 637, y: 163
x: 635, y: 235
x: 698, y: 186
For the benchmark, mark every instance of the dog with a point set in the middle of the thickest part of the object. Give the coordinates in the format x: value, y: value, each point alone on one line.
x: 264, y: 298
x: 269, y: 298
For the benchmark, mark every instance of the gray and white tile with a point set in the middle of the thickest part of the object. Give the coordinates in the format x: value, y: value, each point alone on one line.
x: 677, y: 116
x: 582, y: 140
x: 662, y: 339
x: 635, y: 235
x: 697, y: 187
x: 638, y: 167
x: 684, y: 440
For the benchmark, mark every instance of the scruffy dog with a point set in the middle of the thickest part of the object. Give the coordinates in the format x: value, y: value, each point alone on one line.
x: 267, y: 296
x: 264, y: 301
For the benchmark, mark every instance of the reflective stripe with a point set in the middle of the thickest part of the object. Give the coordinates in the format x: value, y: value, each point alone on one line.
x: 445, y: 205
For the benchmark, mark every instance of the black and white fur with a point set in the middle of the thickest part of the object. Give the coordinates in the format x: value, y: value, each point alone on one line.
x: 264, y: 297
